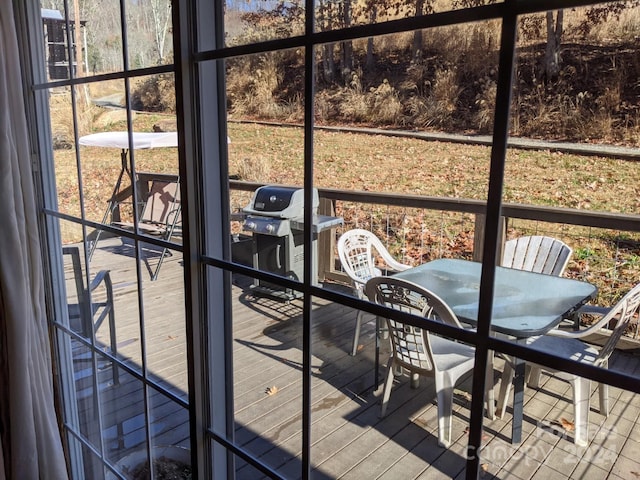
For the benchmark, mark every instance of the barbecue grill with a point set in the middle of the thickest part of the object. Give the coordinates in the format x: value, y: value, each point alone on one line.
x: 275, y: 218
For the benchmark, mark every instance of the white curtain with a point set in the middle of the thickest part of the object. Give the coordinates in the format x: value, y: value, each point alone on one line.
x: 31, y: 446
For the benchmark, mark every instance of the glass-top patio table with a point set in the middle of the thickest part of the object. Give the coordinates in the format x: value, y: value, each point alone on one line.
x: 525, y: 304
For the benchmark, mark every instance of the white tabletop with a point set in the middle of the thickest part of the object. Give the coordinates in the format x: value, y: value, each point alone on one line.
x: 121, y: 140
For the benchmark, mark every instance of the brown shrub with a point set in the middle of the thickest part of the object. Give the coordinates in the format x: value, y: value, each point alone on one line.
x: 155, y: 94
x: 438, y: 106
x: 253, y: 83
x: 486, y: 104
x: 384, y: 105
x: 351, y: 101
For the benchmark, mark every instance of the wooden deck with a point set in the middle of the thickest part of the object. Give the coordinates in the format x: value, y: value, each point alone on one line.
x: 349, y: 440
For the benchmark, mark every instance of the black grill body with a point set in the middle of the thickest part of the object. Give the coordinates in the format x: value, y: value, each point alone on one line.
x: 275, y: 218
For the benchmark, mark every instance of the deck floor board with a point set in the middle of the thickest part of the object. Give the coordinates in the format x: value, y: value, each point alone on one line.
x: 349, y: 440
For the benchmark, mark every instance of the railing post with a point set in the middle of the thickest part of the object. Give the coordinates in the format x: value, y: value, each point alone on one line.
x: 478, y: 237
x: 326, y: 241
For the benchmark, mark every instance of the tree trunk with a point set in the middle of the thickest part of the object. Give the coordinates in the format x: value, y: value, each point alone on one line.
x: 552, y: 51
x: 417, y: 35
x: 372, y: 19
x: 328, y: 63
x: 161, y: 15
x: 347, y: 45
x: 77, y: 38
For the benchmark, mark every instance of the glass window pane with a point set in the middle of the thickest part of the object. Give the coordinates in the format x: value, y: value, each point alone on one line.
x: 347, y: 13
x: 266, y: 86
x: 255, y: 21
x: 112, y: 256
x: 101, y: 37
x: 123, y: 425
x: 164, y: 319
x: 169, y: 425
x: 153, y: 99
x: 149, y: 33
x: 267, y: 333
x: 64, y: 152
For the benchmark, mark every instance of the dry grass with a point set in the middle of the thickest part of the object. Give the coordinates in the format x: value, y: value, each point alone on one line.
x: 390, y: 164
x: 403, y: 165
x: 440, y: 105
x: 379, y: 105
x: 254, y: 169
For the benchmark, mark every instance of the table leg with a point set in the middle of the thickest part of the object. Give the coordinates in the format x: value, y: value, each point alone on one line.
x: 115, y: 199
x: 111, y: 204
x: 518, y: 400
x: 491, y: 404
x: 376, y: 381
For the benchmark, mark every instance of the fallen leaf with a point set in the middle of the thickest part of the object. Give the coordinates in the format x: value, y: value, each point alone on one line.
x: 465, y: 395
x: 484, y: 435
x: 567, y: 424
x: 271, y: 390
x: 359, y: 348
x: 635, y: 474
x: 171, y: 337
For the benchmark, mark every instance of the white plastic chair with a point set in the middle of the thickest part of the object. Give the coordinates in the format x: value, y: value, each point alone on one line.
x: 537, y: 253
x: 356, y: 249
x: 416, y: 350
x: 568, y: 345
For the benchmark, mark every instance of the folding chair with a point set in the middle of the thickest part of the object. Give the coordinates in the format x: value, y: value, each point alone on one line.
x: 160, y: 211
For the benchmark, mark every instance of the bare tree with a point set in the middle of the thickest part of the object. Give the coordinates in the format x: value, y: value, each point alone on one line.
x: 152, y: 20
x: 161, y: 20
x: 326, y: 14
x: 373, y: 15
x: 552, y: 50
x: 347, y: 45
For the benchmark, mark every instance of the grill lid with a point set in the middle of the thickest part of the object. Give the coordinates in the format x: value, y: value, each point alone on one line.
x: 278, y: 201
x: 272, y: 199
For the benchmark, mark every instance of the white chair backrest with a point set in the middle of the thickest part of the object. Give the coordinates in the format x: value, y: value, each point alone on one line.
x: 537, y: 254
x: 411, y: 345
x: 356, y: 251
x: 356, y: 255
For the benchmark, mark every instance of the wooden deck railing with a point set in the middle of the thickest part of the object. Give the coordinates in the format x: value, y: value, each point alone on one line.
x: 616, y: 221
x: 625, y: 228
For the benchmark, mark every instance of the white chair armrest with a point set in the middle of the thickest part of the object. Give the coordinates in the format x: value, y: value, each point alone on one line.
x: 592, y: 310
x: 392, y: 262
x: 584, y: 332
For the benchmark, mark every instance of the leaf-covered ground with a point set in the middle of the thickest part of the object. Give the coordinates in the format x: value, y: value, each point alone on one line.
x: 404, y: 165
